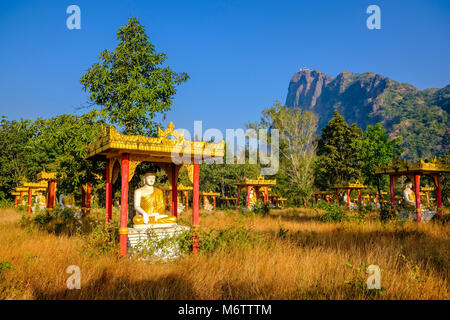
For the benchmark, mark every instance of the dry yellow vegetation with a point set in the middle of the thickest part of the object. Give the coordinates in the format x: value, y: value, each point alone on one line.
x: 297, y: 257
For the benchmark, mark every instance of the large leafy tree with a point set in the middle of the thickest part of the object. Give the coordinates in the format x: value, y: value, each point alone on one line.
x: 377, y: 150
x: 130, y: 84
x: 339, y: 153
x: 297, y: 129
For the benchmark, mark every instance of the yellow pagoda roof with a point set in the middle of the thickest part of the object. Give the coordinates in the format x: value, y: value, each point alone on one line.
x: 261, y: 181
x: 356, y: 185
x: 399, y: 167
x: 15, y: 193
x: 21, y: 189
x: 43, y: 175
x: 180, y: 187
x: 210, y: 193
x: 156, y: 149
x: 40, y: 184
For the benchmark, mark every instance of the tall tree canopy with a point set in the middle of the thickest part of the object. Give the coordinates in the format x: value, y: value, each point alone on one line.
x: 339, y: 153
x: 130, y: 83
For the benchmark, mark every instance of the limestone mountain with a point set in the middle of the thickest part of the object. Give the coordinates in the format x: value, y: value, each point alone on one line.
x: 420, y: 117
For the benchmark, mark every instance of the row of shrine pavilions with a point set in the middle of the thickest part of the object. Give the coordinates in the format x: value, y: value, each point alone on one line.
x: 170, y: 151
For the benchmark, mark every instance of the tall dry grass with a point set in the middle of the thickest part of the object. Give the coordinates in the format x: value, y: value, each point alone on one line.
x: 297, y: 258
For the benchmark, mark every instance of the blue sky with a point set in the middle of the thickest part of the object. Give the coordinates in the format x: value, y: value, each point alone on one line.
x: 240, y: 55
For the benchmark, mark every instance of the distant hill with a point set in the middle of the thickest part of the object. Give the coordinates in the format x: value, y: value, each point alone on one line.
x: 420, y: 117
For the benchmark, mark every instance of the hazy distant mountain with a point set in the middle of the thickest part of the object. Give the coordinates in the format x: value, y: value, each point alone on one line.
x: 420, y: 117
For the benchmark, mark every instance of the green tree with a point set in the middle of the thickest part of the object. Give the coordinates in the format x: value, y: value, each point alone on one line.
x: 297, y: 129
x: 377, y: 150
x: 130, y: 83
x: 338, y: 149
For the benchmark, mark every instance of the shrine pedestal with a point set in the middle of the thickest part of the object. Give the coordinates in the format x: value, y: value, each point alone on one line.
x: 160, y: 241
x: 425, y: 215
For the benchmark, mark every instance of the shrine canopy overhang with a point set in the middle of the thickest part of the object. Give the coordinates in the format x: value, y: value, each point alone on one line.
x: 357, y: 185
x: 401, y: 167
x: 168, y: 148
x: 260, y: 182
x: 212, y: 194
x: 180, y: 188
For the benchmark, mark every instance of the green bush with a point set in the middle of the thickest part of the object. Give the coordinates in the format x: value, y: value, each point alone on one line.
x: 260, y: 208
x: 333, y: 212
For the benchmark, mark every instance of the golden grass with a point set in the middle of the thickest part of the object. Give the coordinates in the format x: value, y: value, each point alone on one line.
x: 308, y: 262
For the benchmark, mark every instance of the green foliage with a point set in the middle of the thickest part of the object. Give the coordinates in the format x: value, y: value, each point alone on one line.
x: 5, y: 266
x: 339, y: 153
x: 213, y: 240
x: 130, y: 84
x: 377, y: 150
x: 260, y: 207
x: 103, y: 239
x: 333, y: 212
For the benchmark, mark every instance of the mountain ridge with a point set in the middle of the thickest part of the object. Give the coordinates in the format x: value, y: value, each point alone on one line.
x: 420, y: 117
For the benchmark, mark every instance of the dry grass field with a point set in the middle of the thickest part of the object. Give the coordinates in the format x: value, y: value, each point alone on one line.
x: 287, y: 254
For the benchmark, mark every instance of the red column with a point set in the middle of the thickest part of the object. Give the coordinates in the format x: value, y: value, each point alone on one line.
x: 438, y: 195
x: 123, y: 231
x: 337, y: 197
x: 108, y: 202
x: 195, y: 206
x: 428, y: 199
x: 266, y: 196
x: 15, y: 201
x: 88, y: 198
x: 360, y: 200
x: 30, y: 195
x: 20, y: 198
x: 238, y: 196
x: 174, y: 202
x: 391, y: 188
x: 83, y: 200
x: 214, y: 199
x: 417, y: 191
x: 348, y: 198
x: 186, y: 194
x: 248, y: 197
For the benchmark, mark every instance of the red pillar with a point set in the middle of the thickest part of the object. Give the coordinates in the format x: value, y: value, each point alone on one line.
x: 266, y: 196
x: 15, y: 201
x: 438, y: 195
x: 214, y: 199
x: 391, y: 188
x: 20, y: 198
x: 83, y: 200
x: 123, y: 231
x: 417, y: 191
x: 248, y: 197
x: 195, y: 206
x: 30, y: 195
x: 348, y: 198
x: 88, y: 198
x: 428, y: 199
x: 174, y: 201
x: 337, y: 197
x: 360, y: 199
x: 108, y: 202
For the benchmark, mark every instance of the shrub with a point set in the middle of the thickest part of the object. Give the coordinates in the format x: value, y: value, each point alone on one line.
x: 260, y: 208
x: 333, y: 213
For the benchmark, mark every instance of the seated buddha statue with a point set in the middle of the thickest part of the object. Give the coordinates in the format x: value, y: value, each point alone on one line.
x: 67, y: 201
x: 149, y: 203
x: 409, y: 196
x: 41, y: 201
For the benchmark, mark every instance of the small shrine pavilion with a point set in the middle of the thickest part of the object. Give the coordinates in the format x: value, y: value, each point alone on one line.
x: 34, y: 186
x: 427, y: 189
x: 414, y: 171
x: 169, y: 150
x: 20, y: 190
x: 208, y: 196
x: 182, y: 191
x: 348, y: 188
x: 324, y: 195
x: 16, y: 197
x: 50, y: 179
x: 257, y: 185
x: 227, y: 201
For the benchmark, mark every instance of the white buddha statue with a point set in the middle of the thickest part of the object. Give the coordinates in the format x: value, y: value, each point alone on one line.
x: 41, y: 201
x: 149, y: 203
x: 408, y: 194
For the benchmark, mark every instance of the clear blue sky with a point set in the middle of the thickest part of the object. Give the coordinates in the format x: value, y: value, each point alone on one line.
x: 240, y: 55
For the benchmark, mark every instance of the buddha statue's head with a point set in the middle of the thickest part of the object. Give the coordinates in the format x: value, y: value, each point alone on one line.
x: 149, y: 178
x: 408, y: 184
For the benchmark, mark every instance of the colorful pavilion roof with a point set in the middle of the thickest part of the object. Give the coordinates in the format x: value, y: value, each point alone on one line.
x: 261, y: 181
x: 400, y: 167
x: 40, y: 184
x: 356, y: 185
x: 43, y: 175
x: 156, y: 149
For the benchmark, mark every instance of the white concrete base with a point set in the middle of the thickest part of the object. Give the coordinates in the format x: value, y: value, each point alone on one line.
x: 425, y: 215
x: 151, y: 239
